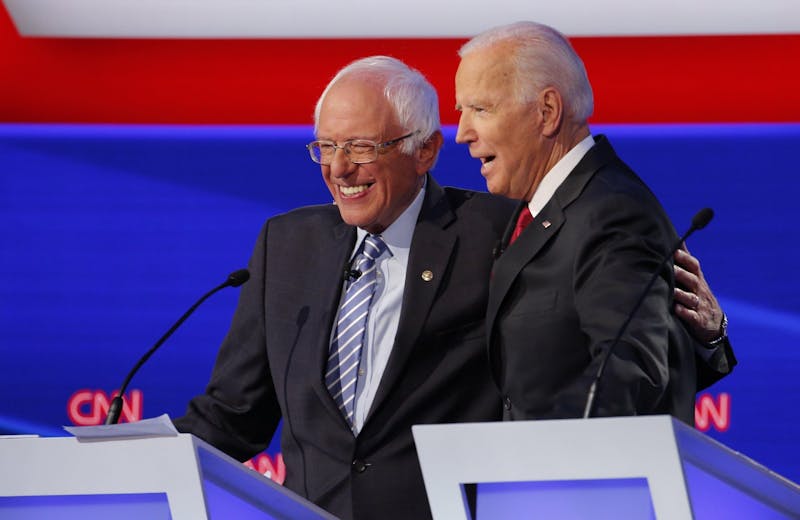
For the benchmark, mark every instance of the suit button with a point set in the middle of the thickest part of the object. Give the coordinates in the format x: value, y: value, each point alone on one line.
x: 359, y: 466
x: 506, y: 402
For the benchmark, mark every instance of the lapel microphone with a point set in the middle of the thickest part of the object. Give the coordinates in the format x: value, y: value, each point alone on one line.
x: 351, y: 275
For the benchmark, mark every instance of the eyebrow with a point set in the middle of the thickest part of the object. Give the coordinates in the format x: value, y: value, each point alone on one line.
x: 375, y: 139
x: 475, y: 104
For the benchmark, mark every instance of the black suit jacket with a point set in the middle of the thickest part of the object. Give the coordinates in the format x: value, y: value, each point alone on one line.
x: 271, y: 362
x: 560, y: 293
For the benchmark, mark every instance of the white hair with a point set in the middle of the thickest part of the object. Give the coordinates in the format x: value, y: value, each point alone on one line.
x: 542, y: 57
x: 412, y: 97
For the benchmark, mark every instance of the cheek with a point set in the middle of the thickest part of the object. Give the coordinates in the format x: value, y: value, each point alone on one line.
x: 384, y: 191
x: 326, y: 178
x: 486, y: 125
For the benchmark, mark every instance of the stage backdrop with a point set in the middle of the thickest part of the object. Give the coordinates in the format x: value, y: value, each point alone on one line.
x: 110, y: 233
x: 137, y: 165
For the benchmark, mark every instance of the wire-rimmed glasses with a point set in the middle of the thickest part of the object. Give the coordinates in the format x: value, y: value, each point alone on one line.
x: 359, y: 151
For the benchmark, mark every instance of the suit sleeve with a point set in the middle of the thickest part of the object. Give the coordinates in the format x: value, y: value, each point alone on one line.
x: 623, y: 245
x: 239, y: 412
x: 715, y: 364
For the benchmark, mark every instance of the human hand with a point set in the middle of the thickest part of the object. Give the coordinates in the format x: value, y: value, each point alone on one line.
x: 695, y: 304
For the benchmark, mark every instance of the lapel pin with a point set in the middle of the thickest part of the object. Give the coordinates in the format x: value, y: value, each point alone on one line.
x: 427, y: 275
x: 546, y: 224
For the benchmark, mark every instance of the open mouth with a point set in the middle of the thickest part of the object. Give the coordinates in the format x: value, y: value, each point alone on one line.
x: 488, y: 159
x: 350, y: 191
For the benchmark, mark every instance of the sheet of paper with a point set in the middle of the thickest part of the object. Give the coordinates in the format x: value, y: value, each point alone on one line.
x: 156, y: 427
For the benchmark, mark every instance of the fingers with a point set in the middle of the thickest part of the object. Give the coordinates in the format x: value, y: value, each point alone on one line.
x: 695, y: 317
x: 701, y: 315
x: 686, y: 279
x: 687, y: 315
x: 687, y: 299
x: 688, y: 262
x: 696, y: 305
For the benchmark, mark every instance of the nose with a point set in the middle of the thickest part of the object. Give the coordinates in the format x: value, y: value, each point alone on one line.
x: 341, y: 165
x: 465, y: 132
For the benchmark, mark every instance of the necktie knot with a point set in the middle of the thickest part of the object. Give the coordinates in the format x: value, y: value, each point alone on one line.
x: 374, y: 247
x: 371, y: 249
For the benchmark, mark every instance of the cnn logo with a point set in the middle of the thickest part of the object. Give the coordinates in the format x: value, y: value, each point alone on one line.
x: 90, y: 407
x: 709, y: 412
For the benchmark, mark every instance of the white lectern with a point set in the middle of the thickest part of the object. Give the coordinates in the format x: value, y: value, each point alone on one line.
x: 652, y: 467
x: 178, y: 477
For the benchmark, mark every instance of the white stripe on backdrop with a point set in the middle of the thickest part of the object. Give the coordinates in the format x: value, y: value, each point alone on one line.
x: 411, y: 18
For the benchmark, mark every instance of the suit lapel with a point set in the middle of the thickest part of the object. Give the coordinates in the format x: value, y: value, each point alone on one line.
x: 431, y: 249
x: 512, y: 224
x: 545, y: 226
x: 516, y: 257
x: 334, y: 253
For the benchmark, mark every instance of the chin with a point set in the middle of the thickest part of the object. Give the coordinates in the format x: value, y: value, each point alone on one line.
x: 496, y: 190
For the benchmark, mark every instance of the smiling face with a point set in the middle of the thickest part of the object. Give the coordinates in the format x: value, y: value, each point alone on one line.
x: 503, y: 133
x: 370, y: 196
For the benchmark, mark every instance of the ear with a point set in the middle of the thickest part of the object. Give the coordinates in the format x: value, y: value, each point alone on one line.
x: 427, y: 153
x: 551, y: 108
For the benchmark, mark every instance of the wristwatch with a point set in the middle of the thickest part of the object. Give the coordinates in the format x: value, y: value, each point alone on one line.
x: 723, y: 333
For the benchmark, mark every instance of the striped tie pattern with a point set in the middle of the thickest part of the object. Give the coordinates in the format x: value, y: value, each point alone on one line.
x: 348, y: 337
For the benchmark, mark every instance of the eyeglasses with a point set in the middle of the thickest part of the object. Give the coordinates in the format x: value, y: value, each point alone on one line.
x: 359, y: 151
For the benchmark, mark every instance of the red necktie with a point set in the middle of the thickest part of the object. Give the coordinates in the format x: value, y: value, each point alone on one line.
x: 523, y: 220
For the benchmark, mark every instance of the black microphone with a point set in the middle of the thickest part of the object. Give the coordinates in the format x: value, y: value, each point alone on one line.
x: 235, y: 279
x: 699, y: 221
x: 351, y: 275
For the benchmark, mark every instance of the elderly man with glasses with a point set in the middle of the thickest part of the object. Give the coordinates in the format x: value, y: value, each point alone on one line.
x: 363, y: 317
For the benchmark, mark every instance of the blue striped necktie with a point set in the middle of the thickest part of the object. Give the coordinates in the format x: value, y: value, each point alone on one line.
x: 348, y: 336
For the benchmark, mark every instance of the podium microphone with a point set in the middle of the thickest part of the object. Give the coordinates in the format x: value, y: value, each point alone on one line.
x: 699, y: 221
x: 235, y: 279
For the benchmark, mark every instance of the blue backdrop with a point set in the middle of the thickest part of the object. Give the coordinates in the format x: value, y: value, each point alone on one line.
x: 109, y: 233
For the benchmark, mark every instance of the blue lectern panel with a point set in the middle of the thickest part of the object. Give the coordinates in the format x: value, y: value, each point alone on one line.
x: 246, y: 500
x: 221, y: 505
x: 713, y: 498
x: 153, y: 506
x: 617, y: 499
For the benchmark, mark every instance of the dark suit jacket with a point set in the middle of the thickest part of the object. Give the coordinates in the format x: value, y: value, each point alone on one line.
x: 271, y: 362
x: 560, y: 293
x: 717, y: 366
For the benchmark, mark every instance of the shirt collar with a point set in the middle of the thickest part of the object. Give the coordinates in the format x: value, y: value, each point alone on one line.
x: 557, y: 174
x: 399, y: 233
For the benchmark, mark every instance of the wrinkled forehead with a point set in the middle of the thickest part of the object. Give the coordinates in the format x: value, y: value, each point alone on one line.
x: 484, y: 75
x: 495, y: 57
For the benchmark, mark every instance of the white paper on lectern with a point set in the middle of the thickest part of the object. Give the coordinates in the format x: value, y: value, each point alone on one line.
x: 160, y: 426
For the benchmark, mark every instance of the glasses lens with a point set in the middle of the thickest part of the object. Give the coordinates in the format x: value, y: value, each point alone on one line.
x: 361, y: 152
x: 321, y: 152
